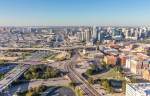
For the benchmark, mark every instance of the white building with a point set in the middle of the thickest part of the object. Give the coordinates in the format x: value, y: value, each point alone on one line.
x: 138, y: 89
x: 94, y: 33
x: 128, y: 62
x: 133, y: 65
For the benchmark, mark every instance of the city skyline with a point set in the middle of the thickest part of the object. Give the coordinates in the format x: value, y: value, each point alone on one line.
x: 77, y: 12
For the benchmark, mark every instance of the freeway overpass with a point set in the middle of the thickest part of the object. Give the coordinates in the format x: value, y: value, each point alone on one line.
x: 25, y: 49
x: 27, y: 62
x: 46, y: 49
x: 12, y: 76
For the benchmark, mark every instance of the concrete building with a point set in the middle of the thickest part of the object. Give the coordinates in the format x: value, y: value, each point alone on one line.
x: 146, y: 74
x: 134, y: 65
x: 137, y: 63
x: 137, y: 89
x: 111, y: 60
x: 94, y: 33
x: 123, y: 59
x: 99, y: 38
x: 128, y: 62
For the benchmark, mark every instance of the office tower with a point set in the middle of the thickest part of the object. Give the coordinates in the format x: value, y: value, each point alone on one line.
x: 82, y: 36
x: 94, y: 33
x: 87, y: 35
x: 99, y: 36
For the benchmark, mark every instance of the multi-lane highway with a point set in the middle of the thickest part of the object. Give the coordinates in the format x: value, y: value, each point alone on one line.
x: 20, y: 69
x: 45, y: 49
x: 87, y: 89
x: 16, y: 72
x: 12, y: 76
x: 74, y: 77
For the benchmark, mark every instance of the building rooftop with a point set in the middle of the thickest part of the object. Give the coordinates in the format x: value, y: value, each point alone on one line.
x: 143, y: 88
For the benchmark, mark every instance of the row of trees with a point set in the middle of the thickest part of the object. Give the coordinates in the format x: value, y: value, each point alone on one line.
x: 1, y: 62
x: 148, y: 52
x: 34, y: 91
x: 41, y: 72
x: 93, y: 70
x: 106, y: 85
x: 1, y: 75
x: 77, y: 90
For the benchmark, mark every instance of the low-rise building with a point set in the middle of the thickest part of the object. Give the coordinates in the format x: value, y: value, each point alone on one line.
x: 123, y: 59
x: 136, y: 65
x: 146, y: 74
x: 133, y: 65
x: 110, y: 59
x: 115, y: 60
x: 138, y: 89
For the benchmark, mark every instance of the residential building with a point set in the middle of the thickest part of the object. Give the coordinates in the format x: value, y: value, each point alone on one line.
x: 134, y: 65
x: 123, y: 59
x: 110, y: 59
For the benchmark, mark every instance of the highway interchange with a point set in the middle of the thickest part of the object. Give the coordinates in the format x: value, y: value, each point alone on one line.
x: 12, y: 76
x: 68, y: 66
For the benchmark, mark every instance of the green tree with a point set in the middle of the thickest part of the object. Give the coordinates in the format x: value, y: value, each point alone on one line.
x: 27, y: 75
x: 72, y: 84
x: 79, y: 92
x: 124, y: 85
x: 29, y: 94
x: 1, y: 62
x: 89, y: 72
x: 1, y: 75
x: 118, y: 69
x: 148, y: 52
x: 106, y: 85
x: 133, y: 79
x: 41, y: 72
x: 93, y: 66
x: 104, y: 65
x: 91, y: 80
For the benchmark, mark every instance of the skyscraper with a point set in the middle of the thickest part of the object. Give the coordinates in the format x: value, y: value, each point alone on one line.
x: 94, y: 35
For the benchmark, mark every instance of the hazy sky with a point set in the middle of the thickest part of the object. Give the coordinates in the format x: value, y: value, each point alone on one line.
x: 74, y: 12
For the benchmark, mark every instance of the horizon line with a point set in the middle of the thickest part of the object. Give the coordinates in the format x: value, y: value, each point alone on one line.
x: 67, y: 25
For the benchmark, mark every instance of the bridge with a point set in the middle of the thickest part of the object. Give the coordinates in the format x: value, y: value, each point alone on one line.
x: 12, y: 76
x: 28, y: 62
x: 25, y: 49
x: 46, y: 49
x: 20, y: 69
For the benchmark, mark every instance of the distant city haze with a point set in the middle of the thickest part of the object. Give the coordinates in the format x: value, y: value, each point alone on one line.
x: 74, y: 12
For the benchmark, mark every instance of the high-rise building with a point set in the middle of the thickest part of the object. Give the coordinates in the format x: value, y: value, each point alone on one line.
x: 94, y: 33
x: 88, y: 34
x: 82, y: 36
x: 99, y: 36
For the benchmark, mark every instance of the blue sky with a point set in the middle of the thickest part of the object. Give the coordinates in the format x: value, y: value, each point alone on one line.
x: 74, y: 12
